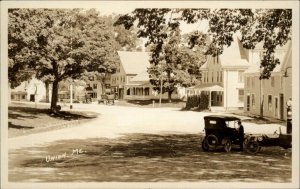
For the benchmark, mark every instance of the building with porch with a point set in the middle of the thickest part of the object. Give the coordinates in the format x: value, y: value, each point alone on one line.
x: 223, y: 78
x: 132, y: 82
x: 270, y: 95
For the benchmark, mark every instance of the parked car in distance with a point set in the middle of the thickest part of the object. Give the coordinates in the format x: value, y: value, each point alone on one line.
x: 220, y: 132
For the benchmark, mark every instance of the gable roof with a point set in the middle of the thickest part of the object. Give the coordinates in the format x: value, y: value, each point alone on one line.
x: 255, y: 67
x: 134, y: 62
x: 141, y: 77
x: 234, y: 56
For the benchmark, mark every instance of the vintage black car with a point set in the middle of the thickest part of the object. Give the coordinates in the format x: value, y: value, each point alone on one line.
x: 254, y: 143
x: 220, y: 132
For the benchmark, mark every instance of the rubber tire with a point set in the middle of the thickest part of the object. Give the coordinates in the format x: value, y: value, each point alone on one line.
x: 227, y: 144
x: 213, y: 138
x: 204, y: 145
x: 253, y: 147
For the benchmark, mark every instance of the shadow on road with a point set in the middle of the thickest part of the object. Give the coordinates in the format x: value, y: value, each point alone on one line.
x: 145, y: 158
x: 13, y: 126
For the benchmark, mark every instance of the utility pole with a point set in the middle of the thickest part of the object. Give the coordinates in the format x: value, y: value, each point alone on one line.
x: 160, y: 96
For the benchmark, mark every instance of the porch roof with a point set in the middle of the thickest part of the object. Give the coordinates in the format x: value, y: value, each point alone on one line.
x: 209, y: 88
x: 18, y: 92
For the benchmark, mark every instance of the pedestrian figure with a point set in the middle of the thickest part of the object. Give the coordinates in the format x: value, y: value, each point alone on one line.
x: 241, y: 134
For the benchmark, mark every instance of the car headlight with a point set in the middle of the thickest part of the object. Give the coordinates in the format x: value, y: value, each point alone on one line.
x: 260, y: 138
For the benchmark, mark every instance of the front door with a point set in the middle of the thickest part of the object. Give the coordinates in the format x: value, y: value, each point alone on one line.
x: 32, y: 98
x: 121, y: 93
x: 248, y: 102
x: 276, y: 107
x: 281, y: 106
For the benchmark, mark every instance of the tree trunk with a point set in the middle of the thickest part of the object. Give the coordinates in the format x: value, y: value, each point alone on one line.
x: 170, y: 96
x: 47, y: 91
x: 54, y: 98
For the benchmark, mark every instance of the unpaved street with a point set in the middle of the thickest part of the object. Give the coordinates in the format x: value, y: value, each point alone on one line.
x: 140, y: 144
x: 116, y: 120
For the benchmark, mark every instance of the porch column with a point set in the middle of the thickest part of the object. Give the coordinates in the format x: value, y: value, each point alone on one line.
x: 143, y: 91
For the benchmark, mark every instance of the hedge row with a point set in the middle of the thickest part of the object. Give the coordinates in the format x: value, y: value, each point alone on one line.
x: 197, y: 101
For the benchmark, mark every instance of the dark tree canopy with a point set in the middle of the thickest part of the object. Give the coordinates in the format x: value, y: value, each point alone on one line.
x: 272, y: 27
x: 60, y: 44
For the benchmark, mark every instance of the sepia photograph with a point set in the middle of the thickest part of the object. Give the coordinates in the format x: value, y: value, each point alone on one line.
x: 149, y: 94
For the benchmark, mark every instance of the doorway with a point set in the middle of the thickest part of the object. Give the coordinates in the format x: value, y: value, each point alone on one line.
x: 248, y: 102
x: 281, y: 106
x: 276, y: 107
x: 32, y: 98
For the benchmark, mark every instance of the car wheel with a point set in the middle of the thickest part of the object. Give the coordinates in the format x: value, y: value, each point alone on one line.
x: 227, y: 144
x: 253, y: 147
x: 212, y: 141
x: 204, y: 145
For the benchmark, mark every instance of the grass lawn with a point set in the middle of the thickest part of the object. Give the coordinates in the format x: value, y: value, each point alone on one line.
x: 26, y: 119
x: 149, y: 103
x: 145, y: 158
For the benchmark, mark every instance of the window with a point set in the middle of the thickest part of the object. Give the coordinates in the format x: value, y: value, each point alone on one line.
x: 217, y: 76
x: 241, y: 77
x: 272, y: 81
x: 269, y: 102
x: 95, y: 86
x: 221, y: 73
x: 147, y: 91
x: 261, y: 53
x: 212, y: 77
x: 207, y: 77
x: 94, y: 95
x: 128, y: 91
x: 253, y: 101
x: 203, y: 78
x: 241, y: 95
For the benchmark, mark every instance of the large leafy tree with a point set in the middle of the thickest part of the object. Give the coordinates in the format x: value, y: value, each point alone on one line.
x: 272, y: 27
x: 172, y: 62
x: 58, y: 44
x: 178, y: 65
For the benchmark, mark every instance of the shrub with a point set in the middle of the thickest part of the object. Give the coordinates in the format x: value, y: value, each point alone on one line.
x: 200, y: 101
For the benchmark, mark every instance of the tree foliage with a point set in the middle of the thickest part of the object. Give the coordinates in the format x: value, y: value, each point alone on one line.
x: 178, y: 65
x: 59, y: 44
x: 272, y: 27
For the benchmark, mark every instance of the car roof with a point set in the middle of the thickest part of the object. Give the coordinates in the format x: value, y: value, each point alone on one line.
x: 226, y: 118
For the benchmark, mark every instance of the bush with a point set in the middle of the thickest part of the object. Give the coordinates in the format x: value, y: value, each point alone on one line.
x: 197, y: 101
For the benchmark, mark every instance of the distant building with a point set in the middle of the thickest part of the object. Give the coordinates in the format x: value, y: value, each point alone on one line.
x: 131, y: 81
x: 273, y: 93
x: 223, y: 78
x: 30, y: 90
